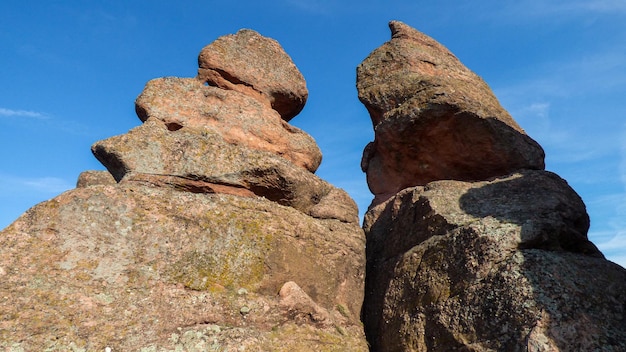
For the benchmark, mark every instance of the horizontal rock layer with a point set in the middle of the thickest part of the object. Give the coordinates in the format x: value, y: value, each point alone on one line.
x: 200, y: 160
x: 239, y: 119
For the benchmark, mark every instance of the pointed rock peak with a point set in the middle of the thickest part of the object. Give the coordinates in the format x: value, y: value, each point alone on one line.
x: 401, y: 30
x: 257, y: 66
x: 434, y: 119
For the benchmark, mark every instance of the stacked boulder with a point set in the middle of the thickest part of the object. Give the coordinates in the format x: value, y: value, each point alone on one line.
x: 209, y: 231
x: 471, y: 244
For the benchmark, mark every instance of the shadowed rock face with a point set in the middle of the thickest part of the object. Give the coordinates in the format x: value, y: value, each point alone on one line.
x: 434, y: 119
x: 208, y: 232
x: 495, y: 265
x: 470, y: 244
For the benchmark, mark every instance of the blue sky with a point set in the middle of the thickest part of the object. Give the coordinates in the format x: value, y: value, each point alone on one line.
x: 70, y: 71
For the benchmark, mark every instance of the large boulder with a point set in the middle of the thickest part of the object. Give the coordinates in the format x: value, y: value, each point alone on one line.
x: 434, y: 118
x: 501, y: 265
x: 255, y: 65
x: 129, y: 266
x: 238, y: 118
x: 471, y: 245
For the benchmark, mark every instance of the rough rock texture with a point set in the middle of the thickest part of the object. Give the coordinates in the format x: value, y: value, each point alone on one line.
x: 95, y: 177
x: 497, y: 265
x: 236, y: 117
x: 434, y: 118
x: 257, y: 66
x: 209, y: 232
x: 131, y: 266
x: 501, y: 263
x: 200, y: 160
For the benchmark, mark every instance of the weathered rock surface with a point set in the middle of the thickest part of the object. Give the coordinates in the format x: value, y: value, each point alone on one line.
x: 257, y: 66
x: 130, y: 266
x: 95, y: 177
x: 502, y: 265
x: 499, y: 265
x: 200, y: 160
x: 434, y: 119
x: 209, y: 231
x: 238, y: 118
x: 487, y: 252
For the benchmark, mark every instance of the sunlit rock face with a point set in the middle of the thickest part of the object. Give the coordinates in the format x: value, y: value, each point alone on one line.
x: 434, y: 119
x: 209, y: 231
x: 471, y: 245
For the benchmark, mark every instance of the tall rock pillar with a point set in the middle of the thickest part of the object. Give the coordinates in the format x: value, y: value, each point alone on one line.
x: 471, y: 244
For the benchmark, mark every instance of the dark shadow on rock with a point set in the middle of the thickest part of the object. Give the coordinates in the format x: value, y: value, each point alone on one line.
x: 386, y: 243
x: 577, y: 299
x: 501, y: 265
x: 551, y: 215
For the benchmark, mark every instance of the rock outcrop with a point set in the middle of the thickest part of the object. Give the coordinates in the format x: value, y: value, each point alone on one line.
x: 208, y: 232
x: 434, y: 119
x: 471, y: 245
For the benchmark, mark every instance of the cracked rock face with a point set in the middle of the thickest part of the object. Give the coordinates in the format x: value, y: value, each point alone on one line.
x: 209, y: 231
x: 471, y: 245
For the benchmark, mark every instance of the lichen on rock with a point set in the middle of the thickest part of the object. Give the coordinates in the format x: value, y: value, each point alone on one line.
x: 471, y: 245
x: 206, y: 211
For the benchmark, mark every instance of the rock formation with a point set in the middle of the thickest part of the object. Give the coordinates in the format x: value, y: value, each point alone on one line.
x: 208, y: 232
x: 471, y: 245
x: 434, y: 119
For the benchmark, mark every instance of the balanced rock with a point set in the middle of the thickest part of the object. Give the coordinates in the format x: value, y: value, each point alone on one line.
x: 501, y: 265
x: 238, y: 118
x: 255, y: 65
x: 210, y: 232
x: 434, y: 119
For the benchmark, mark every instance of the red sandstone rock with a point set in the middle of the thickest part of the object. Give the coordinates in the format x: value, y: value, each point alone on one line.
x: 200, y: 160
x: 255, y: 65
x: 215, y: 209
x: 434, y: 119
x: 238, y: 118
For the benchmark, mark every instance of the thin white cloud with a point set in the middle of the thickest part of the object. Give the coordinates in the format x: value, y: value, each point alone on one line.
x: 600, y: 72
x: 601, y: 6
x: 52, y: 185
x: 47, y: 184
x: 611, y: 238
x: 22, y: 113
